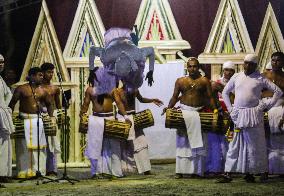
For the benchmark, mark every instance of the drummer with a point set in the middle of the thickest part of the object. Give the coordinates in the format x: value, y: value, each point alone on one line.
x: 31, y: 97
x: 196, y: 93
x: 53, y: 145
x: 135, y: 149
x: 103, y: 152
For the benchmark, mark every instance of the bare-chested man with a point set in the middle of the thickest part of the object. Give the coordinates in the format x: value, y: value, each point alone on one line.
x: 53, y: 145
x: 32, y: 98
x: 103, y: 152
x: 136, y: 146
x: 196, y: 93
x: 6, y: 128
x: 276, y: 117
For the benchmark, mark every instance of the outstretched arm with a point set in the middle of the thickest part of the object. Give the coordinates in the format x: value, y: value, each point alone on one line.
x: 174, y: 98
x: 146, y: 100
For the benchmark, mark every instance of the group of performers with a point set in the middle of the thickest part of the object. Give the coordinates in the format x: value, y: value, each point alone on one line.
x: 36, y: 99
x: 243, y: 97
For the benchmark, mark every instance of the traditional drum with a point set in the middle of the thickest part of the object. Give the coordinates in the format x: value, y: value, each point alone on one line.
x: 49, y: 125
x: 143, y: 119
x: 60, y: 117
x: 209, y: 121
x: 83, y: 127
x: 116, y: 129
x: 19, y: 127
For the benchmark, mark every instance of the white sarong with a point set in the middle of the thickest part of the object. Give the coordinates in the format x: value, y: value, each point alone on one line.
x: 276, y: 140
x: 190, y: 158
x: 26, y: 149
x: 103, y: 152
x: 135, y: 150
x: 247, y: 151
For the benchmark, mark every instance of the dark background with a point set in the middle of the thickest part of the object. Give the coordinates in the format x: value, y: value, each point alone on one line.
x: 193, y: 17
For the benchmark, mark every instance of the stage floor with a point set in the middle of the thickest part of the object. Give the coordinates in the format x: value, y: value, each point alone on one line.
x: 162, y: 183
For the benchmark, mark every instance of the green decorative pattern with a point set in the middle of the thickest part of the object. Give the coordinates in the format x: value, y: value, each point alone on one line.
x: 228, y: 45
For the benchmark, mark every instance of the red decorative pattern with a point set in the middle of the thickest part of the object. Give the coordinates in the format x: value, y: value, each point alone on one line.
x: 156, y: 20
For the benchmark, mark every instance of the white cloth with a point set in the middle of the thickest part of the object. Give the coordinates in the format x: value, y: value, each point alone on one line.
x: 251, y: 58
x: 95, y: 136
x: 228, y: 65
x: 6, y: 122
x: 110, y: 161
x: 27, y: 159
x: 274, y: 116
x: 5, y: 154
x: 193, y: 125
x: 6, y: 128
x: 53, y: 142
x: 31, y: 129
x: 247, y: 152
x: 138, y: 151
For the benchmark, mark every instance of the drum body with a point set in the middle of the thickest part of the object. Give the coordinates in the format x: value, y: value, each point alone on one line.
x: 49, y: 125
x: 210, y: 122
x: 19, y: 128
x: 116, y: 129
x: 143, y: 119
x: 60, y: 117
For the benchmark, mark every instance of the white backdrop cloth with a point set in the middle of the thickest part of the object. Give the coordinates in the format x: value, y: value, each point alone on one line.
x: 162, y: 141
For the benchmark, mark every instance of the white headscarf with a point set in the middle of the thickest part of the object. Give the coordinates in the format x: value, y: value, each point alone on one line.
x: 1, y: 57
x: 251, y: 58
x: 228, y: 65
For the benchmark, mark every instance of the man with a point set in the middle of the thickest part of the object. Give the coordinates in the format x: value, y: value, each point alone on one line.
x: 275, y: 116
x: 103, y: 152
x: 217, y: 142
x: 136, y: 146
x: 196, y: 93
x: 6, y: 128
x: 247, y: 152
x: 53, y: 145
x: 31, y: 97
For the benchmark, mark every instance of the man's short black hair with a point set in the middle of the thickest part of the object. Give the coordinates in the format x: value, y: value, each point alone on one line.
x: 280, y: 54
x: 47, y: 66
x: 33, y: 71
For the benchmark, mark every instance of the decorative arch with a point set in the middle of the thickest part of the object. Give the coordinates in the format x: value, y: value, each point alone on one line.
x: 270, y: 38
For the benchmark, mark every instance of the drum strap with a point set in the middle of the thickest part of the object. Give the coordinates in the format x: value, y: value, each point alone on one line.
x: 108, y: 114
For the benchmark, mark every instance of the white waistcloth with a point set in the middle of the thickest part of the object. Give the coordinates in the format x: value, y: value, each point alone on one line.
x: 193, y: 125
x: 95, y: 136
x: 31, y: 129
x: 274, y: 117
x: 247, y: 117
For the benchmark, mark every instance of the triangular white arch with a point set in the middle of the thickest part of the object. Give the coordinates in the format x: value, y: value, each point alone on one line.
x: 45, y: 47
x: 87, y: 20
x: 270, y: 38
x: 228, y: 19
x: 164, y: 35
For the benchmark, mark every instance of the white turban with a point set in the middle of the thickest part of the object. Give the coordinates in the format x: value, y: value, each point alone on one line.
x: 228, y: 65
x: 1, y: 57
x: 251, y: 58
x: 268, y: 65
